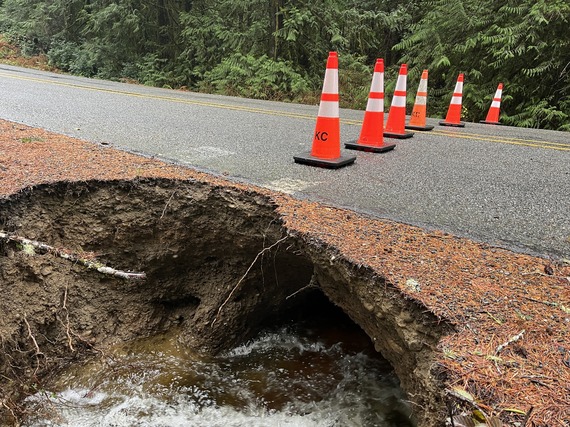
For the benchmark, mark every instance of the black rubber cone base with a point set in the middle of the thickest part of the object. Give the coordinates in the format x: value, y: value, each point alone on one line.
x: 404, y: 135
x: 489, y: 123
x: 308, y: 159
x: 422, y: 128
x: 354, y: 145
x: 457, y: 125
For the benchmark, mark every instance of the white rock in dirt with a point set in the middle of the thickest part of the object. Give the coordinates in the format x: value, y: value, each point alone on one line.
x: 413, y: 285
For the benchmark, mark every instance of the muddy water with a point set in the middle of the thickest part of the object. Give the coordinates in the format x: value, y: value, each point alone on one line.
x: 301, y: 374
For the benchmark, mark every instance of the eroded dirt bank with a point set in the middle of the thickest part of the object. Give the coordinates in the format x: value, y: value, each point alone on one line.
x: 219, y: 262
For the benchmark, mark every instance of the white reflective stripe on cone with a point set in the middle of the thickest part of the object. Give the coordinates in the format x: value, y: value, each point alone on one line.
x: 399, y: 101
x: 456, y: 99
x: 423, y: 86
x: 401, y: 83
x: 496, y: 104
x: 330, y: 84
x: 329, y: 109
x: 375, y: 105
x: 421, y: 100
x: 377, y: 83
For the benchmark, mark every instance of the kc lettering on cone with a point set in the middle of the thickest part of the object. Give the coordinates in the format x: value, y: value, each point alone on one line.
x: 325, y: 152
x: 418, y: 117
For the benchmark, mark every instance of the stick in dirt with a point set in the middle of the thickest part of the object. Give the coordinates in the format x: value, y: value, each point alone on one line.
x: 92, y: 265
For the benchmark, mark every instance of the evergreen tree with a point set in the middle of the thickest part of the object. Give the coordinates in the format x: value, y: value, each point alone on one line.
x: 521, y: 43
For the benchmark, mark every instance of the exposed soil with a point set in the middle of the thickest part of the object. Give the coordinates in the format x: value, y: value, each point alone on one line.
x: 222, y: 258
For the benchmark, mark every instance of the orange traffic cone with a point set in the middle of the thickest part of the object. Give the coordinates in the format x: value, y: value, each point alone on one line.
x: 371, y: 138
x: 493, y: 114
x: 325, y: 152
x: 395, y: 126
x: 418, y: 118
x: 453, y: 117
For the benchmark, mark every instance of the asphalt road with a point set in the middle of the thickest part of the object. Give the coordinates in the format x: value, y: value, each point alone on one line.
x: 501, y: 185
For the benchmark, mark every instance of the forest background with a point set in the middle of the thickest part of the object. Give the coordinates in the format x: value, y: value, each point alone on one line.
x: 277, y: 49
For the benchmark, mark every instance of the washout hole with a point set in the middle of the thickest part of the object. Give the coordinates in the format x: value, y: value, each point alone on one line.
x: 220, y: 265
x: 308, y: 366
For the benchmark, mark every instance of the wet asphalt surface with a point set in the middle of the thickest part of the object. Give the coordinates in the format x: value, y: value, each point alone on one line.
x: 501, y: 185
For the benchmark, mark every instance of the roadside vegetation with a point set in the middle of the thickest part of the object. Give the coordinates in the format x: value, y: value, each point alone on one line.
x: 276, y: 49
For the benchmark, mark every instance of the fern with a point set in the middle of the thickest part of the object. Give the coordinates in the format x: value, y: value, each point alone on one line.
x: 263, y: 78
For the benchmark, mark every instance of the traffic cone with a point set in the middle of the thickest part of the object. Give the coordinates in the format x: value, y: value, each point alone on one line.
x: 325, y: 152
x: 418, y: 118
x: 371, y: 138
x: 395, y: 126
x: 493, y: 114
x: 453, y: 117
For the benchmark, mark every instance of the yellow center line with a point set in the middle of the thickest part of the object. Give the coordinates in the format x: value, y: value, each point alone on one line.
x: 486, y: 138
x: 164, y: 98
x: 506, y: 139
x: 503, y: 140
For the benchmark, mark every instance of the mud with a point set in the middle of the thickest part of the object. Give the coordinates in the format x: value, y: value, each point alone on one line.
x: 219, y: 265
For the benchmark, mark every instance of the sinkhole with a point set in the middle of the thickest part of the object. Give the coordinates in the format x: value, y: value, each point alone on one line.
x: 222, y: 271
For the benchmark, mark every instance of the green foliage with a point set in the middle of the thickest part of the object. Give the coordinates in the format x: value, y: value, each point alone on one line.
x: 354, y: 77
x: 263, y: 78
x: 227, y: 54
x: 100, y: 38
x: 34, y: 23
x: 69, y: 56
x: 364, y: 29
x: 276, y: 49
x: 519, y: 43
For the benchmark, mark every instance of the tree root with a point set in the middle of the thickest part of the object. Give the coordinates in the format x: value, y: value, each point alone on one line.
x: 267, y: 249
x: 36, y: 346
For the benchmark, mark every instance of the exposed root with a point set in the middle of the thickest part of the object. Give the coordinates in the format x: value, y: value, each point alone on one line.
x: 312, y: 284
x: 37, y: 347
x: 166, y: 205
x: 66, y: 325
x: 263, y: 251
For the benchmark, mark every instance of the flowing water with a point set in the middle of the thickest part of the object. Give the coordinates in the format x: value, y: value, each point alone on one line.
x: 297, y: 375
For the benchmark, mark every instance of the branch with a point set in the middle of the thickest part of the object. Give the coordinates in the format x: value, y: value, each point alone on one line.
x: 509, y: 341
x: 92, y: 265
